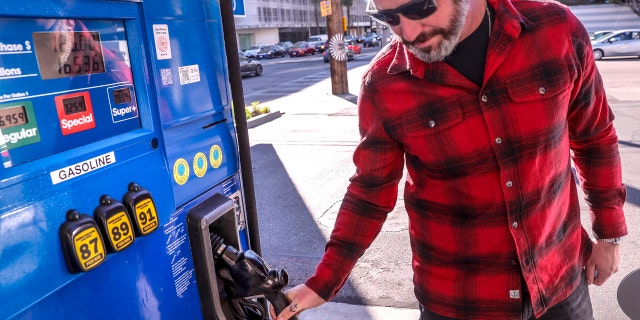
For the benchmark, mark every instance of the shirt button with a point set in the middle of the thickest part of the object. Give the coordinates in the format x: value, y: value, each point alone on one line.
x: 498, y: 140
x: 431, y: 123
x: 484, y: 98
x: 542, y: 90
x: 514, y: 225
x: 509, y: 184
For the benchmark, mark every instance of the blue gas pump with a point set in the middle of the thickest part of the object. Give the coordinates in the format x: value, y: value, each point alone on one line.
x: 120, y: 160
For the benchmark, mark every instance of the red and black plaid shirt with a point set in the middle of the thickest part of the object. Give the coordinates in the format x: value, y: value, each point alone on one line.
x: 490, y: 193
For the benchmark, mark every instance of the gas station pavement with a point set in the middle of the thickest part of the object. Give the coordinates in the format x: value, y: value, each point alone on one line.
x: 301, y: 158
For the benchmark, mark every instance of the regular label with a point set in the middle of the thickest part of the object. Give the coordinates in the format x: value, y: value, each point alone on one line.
x: 89, y: 248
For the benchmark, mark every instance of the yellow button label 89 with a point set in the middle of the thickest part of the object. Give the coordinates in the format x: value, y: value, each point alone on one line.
x: 120, y: 230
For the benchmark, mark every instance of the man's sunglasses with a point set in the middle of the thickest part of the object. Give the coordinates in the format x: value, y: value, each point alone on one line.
x: 414, y: 10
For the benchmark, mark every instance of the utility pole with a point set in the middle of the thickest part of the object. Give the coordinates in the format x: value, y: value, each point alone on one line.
x: 338, y: 68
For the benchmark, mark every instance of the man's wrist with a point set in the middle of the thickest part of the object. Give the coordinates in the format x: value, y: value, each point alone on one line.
x: 616, y: 240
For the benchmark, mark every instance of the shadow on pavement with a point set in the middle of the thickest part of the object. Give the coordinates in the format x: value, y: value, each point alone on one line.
x: 289, y: 236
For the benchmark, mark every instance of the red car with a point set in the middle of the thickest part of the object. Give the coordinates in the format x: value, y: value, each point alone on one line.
x: 356, y: 48
x: 301, y: 49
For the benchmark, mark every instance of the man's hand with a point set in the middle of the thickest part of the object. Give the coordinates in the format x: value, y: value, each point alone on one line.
x: 302, y: 298
x: 603, y: 262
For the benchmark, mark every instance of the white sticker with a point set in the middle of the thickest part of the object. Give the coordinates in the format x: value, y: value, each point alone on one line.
x: 80, y: 168
x: 189, y: 74
x: 514, y: 294
x: 167, y: 78
x: 161, y: 38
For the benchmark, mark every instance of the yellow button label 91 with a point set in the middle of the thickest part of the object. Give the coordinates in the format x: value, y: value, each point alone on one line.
x: 146, y: 216
x: 120, y: 230
x: 89, y: 248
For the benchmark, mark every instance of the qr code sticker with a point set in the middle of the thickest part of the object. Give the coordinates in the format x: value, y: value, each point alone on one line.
x: 167, y: 79
x: 184, y: 75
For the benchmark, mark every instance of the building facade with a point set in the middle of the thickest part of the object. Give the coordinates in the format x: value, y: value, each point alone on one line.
x: 272, y: 21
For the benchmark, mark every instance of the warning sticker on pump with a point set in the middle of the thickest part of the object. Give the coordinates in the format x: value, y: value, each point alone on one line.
x: 215, y: 156
x: 181, y: 171
x: 200, y: 164
x: 161, y: 39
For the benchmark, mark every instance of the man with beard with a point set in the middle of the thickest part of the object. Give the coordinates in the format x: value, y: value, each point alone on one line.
x: 486, y: 104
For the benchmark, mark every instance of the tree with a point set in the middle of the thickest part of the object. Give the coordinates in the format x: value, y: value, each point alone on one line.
x: 633, y: 4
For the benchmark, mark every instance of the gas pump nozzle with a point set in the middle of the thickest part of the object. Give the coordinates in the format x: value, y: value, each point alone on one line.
x: 248, y: 275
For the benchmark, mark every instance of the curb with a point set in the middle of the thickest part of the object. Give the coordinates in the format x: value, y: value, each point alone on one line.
x: 263, y: 118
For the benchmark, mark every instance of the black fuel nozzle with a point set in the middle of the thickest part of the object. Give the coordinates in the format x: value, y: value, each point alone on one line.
x: 248, y: 275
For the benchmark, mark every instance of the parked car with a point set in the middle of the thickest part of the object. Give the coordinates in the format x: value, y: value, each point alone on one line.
x: 286, y: 45
x: 319, y: 45
x: 301, y: 49
x: 616, y: 44
x: 318, y: 37
x: 371, y: 39
x: 349, y: 39
x: 326, y: 55
x: 250, y: 67
x: 252, y: 52
x: 270, y: 52
x: 324, y: 46
x: 599, y: 34
x: 357, y: 49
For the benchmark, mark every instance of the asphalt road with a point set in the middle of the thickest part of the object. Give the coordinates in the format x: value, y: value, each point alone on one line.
x: 302, y: 162
x: 280, y: 75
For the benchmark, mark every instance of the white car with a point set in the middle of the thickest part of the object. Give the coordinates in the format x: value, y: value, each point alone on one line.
x: 253, y: 51
x: 616, y: 44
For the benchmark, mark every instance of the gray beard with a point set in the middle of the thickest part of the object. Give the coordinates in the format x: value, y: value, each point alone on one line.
x: 441, y: 50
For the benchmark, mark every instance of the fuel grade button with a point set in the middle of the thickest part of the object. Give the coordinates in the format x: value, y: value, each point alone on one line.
x: 141, y: 206
x: 115, y: 223
x: 82, y: 244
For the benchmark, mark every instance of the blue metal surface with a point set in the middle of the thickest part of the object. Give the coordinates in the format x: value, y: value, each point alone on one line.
x: 181, y: 122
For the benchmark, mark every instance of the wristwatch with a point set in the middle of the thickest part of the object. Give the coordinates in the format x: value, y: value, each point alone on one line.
x: 617, y: 240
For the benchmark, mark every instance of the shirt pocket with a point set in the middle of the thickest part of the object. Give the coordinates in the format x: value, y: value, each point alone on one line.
x: 431, y: 119
x: 539, y: 84
x: 438, y: 139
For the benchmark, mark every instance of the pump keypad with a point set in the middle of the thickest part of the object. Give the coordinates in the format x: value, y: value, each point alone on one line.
x: 86, y: 241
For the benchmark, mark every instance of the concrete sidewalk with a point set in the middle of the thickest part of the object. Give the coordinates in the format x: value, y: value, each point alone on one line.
x: 343, y: 311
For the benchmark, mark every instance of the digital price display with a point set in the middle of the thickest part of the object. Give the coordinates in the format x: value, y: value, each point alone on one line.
x: 74, y: 105
x: 14, y: 116
x: 122, y: 95
x: 64, y: 54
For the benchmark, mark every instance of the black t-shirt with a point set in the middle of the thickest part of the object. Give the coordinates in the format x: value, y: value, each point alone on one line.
x: 469, y: 55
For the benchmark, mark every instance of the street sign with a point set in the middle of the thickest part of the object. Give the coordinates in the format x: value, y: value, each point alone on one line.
x: 325, y: 8
x: 238, y: 8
